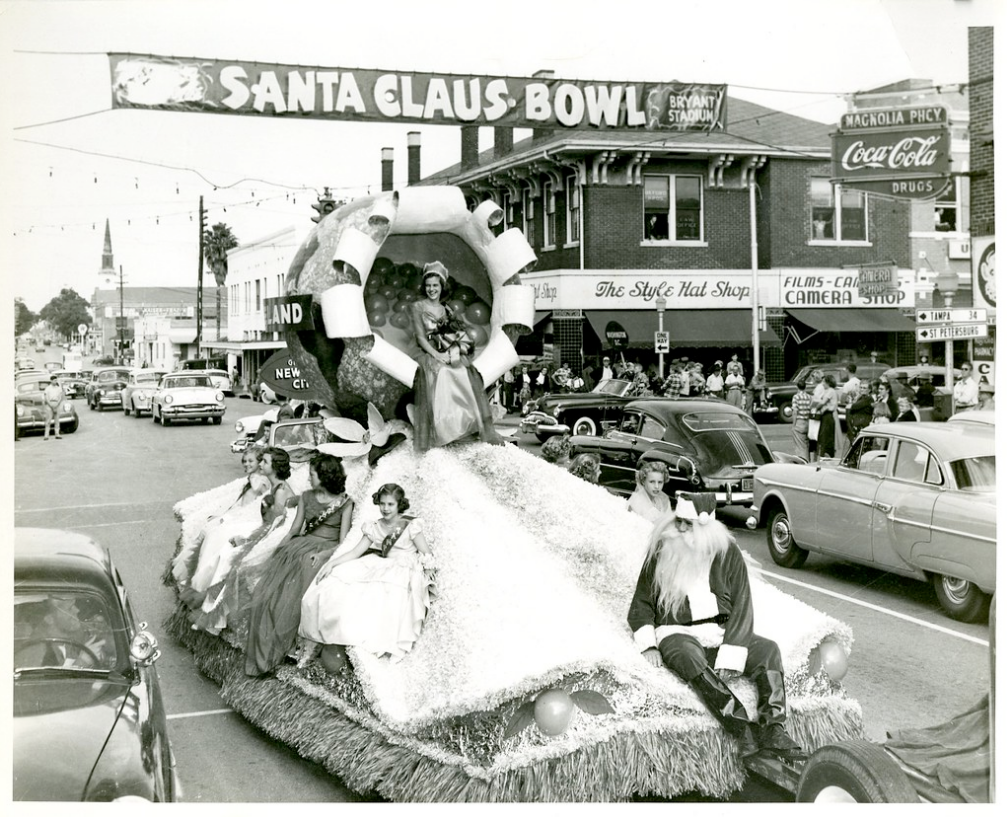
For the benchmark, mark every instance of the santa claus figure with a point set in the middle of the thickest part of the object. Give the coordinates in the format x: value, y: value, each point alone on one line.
x: 692, y: 613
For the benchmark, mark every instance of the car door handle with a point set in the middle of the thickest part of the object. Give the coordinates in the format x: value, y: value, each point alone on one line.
x: 883, y: 507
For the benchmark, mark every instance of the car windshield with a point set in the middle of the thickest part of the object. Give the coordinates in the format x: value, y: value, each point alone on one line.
x: 611, y: 386
x: 190, y: 382
x: 147, y: 377
x: 63, y: 628
x: 108, y: 377
x: 975, y: 474
x: 300, y: 433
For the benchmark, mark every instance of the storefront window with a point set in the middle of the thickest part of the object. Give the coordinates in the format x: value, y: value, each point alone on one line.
x: 572, y: 210
x: 946, y: 209
x: 847, y: 222
x: 675, y: 218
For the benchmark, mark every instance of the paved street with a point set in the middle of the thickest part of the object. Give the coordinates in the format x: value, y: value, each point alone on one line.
x: 118, y: 477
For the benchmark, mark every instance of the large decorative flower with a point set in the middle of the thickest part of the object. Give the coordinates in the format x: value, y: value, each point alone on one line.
x: 374, y: 441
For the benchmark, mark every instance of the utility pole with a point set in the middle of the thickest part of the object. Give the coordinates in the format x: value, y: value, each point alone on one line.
x: 199, y: 283
x: 121, y: 323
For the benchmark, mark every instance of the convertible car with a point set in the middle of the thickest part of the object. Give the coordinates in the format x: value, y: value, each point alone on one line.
x: 708, y: 445
x: 89, y: 723
x: 915, y: 499
x: 187, y: 396
x: 576, y: 412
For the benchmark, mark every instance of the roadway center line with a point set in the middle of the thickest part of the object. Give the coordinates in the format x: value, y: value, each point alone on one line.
x: 876, y: 608
x: 203, y: 714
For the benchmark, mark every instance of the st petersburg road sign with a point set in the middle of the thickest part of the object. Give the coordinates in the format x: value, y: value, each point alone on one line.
x: 951, y: 331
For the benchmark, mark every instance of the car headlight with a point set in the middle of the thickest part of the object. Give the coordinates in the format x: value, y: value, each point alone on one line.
x: 220, y: 397
x: 556, y: 411
x: 68, y: 407
x: 167, y: 398
x: 101, y: 392
x: 238, y: 427
x: 19, y: 410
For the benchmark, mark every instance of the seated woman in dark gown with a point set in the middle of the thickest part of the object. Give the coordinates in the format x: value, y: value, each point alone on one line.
x: 323, y: 519
x: 451, y: 402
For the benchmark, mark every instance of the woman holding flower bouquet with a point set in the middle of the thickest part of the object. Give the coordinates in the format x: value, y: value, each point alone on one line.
x: 374, y: 595
x: 450, y: 399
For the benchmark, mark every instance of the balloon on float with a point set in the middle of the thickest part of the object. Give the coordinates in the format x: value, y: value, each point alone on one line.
x: 465, y: 294
x: 376, y: 318
x: 553, y: 711
x: 376, y: 303
x: 478, y: 335
x: 333, y: 657
x: 478, y: 312
x: 399, y: 319
x: 408, y: 295
x: 390, y: 292
x: 456, y: 306
x: 834, y: 660
x: 396, y: 280
x: 400, y: 306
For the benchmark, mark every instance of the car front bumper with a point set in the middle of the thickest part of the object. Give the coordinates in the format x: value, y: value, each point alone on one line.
x: 540, y: 423
x: 191, y: 412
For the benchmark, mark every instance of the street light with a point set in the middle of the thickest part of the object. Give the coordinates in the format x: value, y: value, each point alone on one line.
x: 947, y: 285
x: 660, y: 303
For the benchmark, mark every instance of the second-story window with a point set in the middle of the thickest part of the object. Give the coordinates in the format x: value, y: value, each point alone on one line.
x: 837, y: 214
x: 258, y: 295
x: 549, y: 215
x: 672, y: 208
x: 946, y: 211
x: 572, y: 210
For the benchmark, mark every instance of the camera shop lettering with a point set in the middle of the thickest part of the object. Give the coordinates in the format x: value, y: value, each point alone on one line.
x: 675, y: 290
x: 839, y: 290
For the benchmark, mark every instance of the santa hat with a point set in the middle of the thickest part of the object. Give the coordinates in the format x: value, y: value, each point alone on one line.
x: 696, y: 507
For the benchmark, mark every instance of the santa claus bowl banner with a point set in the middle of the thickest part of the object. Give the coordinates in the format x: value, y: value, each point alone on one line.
x: 269, y: 89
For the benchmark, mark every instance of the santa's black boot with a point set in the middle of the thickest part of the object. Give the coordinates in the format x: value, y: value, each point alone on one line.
x: 727, y: 709
x: 772, y: 714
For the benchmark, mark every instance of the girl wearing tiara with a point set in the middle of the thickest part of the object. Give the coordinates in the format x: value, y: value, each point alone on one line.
x: 375, y: 595
x: 451, y: 401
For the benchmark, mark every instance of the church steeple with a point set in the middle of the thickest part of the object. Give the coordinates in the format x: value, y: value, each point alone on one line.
x: 107, y: 263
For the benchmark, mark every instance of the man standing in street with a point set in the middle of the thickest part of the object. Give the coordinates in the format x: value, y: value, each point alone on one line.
x: 692, y: 613
x: 966, y: 390
x: 52, y: 398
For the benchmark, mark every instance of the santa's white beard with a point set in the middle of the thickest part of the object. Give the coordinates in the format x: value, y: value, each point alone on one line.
x: 684, y: 561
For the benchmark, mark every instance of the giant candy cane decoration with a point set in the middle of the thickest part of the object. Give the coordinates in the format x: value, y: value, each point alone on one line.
x: 434, y: 210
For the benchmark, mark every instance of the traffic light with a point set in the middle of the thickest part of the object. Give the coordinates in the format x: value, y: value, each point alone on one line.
x: 324, y: 206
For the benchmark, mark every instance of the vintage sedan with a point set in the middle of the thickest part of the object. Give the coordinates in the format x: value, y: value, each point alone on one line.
x: 89, y: 723
x: 707, y: 444
x: 576, y: 412
x: 139, y: 390
x: 29, y: 411
x: 221, y: 380
x: 779, y: 396
x: 187, y: 396
x: 915, y: 499
x: 105, y: 386
x: 73, y: 384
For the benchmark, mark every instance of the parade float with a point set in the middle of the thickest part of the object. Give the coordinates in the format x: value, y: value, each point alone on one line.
x: 525, y: 683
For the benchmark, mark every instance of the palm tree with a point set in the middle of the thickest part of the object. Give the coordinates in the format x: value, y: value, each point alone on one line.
x: 216, y: 242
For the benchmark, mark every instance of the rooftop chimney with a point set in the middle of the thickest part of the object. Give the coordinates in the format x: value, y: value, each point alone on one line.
x: 387, y: 160
x: 413, y: 147
x: 470, y: 147
x: 503, y: 141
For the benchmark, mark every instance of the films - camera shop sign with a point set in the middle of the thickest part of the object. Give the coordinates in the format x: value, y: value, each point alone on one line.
x: 902, y: 153
x: 270, y: 89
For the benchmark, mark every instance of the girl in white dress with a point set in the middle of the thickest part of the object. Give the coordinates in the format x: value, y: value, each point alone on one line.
x: 375, y: 595
x: 649, y: 499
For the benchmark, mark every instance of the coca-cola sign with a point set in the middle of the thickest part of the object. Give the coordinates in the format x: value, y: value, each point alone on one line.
x: 866, y: 155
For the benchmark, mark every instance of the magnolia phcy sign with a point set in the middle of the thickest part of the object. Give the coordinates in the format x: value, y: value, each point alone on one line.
x: 270, y: 89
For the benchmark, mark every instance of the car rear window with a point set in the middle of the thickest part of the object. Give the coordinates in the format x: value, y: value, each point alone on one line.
x: 718, y: 421
x: 63, y: 628
x: 975, y: 473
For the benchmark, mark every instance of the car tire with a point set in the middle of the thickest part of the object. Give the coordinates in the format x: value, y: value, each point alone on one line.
x: 217, y: 420
x: 785, y: 413
x: 74, y: 424
x: 584, y: 427
x: 542, y: 437
x: 780, y: 537
x: 854, y: 771
x: 961, y: 600
x: 165, y: 422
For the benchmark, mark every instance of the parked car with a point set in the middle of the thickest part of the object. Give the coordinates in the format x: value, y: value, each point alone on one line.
x: 187, y: 396
x: 780, y: 395
x: 915, y: 499
x: 707, y: 444
x: 89, y: 722
x: 983, y: 417
x: 221, y: 380
x: 104, y: 387
x: 576, y: 412
x: 52, y: 366
x: 139, y: 389
x: 29, y: 404
x: 22, y: 364
x: 915, y: 373
x: 73, y: 384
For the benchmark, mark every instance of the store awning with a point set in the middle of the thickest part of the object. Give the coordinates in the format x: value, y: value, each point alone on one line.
x: 182, y: 334
x: 541, y: 316
x: 701, y: 327
x: 854, y: 320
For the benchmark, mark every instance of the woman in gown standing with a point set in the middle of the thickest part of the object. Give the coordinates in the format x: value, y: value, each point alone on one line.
x: 450, y: 399
x: 649, y: 499
x: 323, y: 519
x: 375, y: 595
x: 230, y: 544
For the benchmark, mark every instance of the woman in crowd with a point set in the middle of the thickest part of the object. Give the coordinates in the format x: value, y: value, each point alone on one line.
x: 907, y: 411
x: 375, y: 595
x: 322, y: 521
x: 255, y: 485
x: 649, y: 499
x: 212, y: 574
x: 826, y: 405
x: 884, y: 395
x: 450, y: 401
x: 587, y: 467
